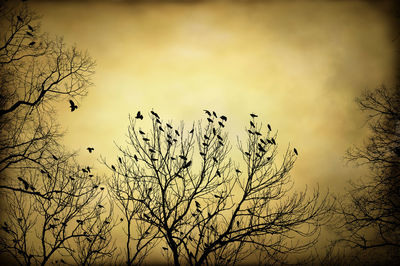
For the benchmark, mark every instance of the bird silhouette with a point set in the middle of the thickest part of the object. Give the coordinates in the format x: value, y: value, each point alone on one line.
x: 295, y: 151
x: 252, y: 124
x: 191, y: 131
x: 269, y: 127
x: 215, y: 160
x: 186, y: 165
x: 205, y: 144
x: 209, y: 120
x: 161, y: 129
x: 152, y: 150
x: 139, y: 116
x: 155, y: 114
x: 119, y: 160
x: 273, y: 141
x: 164, y: 248
x: 26, y: 184
x: 253, y: 115
x: 30, y: 27
x: 219, y: 137
x: 238, y: 171
x: 218, y: 173
x: 135, y: 157
x: 217, y: 196
x: 177, y: 132
x: 224, y: 118
x: 261, y: 148
x: 100, y: 206
x: 207, y: 112
x: 202, y: 154
x: 28, y: 33
x: 146, y: 139
x: 221, y: 124
x: 90, y: 149
x: 141, y: 132
x: 183, y: 157
x: 197, y: 204
x: 257, y: 133
x: 251, y: 132
x: 84, y: 170
x: 263, y: 142
x: 54, y: 157
x: 214, y: 131
x: 113, y: 167
x: 220, y: 143
x: 215, y: 114
x: 206, y: 137
x: 158, y: 121
x: 248, y: 154
x: 19, y: 19
x: 32, y: 43
x: 169, y: 126
x: 73, y: 106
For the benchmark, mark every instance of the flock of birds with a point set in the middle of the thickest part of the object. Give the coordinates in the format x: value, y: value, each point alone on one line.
x: 29, y: 32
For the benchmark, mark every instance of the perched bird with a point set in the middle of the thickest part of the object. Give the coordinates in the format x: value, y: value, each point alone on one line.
x: 32, y: 43
x: 219, y: 137
x: 141, y: 132
x: 248, y: 154
x: 90, y: 149
x: 214, y: 131
x: 209, y: 120
x: 19, y: 19
x: 135, y: 157
x: 251, y: 132
x: 73, y: 106
x: 295, y: 151
x: 183, y: 157
x: 121, y: 219
x: 158, y: 121
x: 263, y: 142
x: 273, y: 141
x: 177, y: 132
x: 139, y: 116
x: 205, y: 144
x: 84, y: 170
x: 191, y: 131
x: 102, y: 188
x: 257, y: 133
x: 155, y: 114
x: 220, y: 143
x: 152, y: 150
x: 70, y: 177
x: 217, y: 196
x: 28, y: 33
x: 221, y: 124
x: 252, y: 124
x: 224, y: 118
x: 215, y: 160
x: 215, y: 114
x: 146, y: 139
x: 169, y: 126
x: 30, y: 27
x: 207, y: 112
x: 269, y: 127
x: 186, y: 165
x: 197, y: 204
x: 218, y: 173
x: 164, y: 248
x: 261, y: 148
x: 253, y: 115
x: 26, y: 184
x: 238, y: 171
x: 161, y: 129
x: 206, y: 137
x: 113, y: 167
x: 95, y: 186
x: 100, y: 206
x: 202, y: 154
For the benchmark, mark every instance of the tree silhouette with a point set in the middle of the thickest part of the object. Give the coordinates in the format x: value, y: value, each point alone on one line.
x: 371, y: 210
x: 69, y: 217
x: 36, y: 71
x: 204, y: 208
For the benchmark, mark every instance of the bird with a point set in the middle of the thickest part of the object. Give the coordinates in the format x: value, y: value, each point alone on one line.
x: 214, y: 131
x: 141, y: 132
x: 30, y: 27
x: 177, y: 132
x: 30, y: 34
x: 215, y: 114
x: 261, y: 148
x: 32, y: 43
x: 253, y: 115
x: 237, y: 223
x: 238, y: 171
x: 207, y: 112
x: 113, y: 167
x: 218, y: 173
x: 202, y: 154
x: 205, y: 144
x: 273, y: 141
x: 220, y: 143
x: 121, y: 219
x: 217, y: 196
x: 135, y: 157
x: 263, y: 142
x: 19, y: 19
x: 102, y: 188
x: 219, y: 137
x: 197, y: 204
x: 251, y: 132
x: 164, y: 248
x: 26, y: 184
x: 71, y: 178
x: 221, y: 124
x: 90, y: 149
x: 146, y: 139
x: 191, y: 131
x: 206, y: 137
x: 269, y: 127
x: 183, y: 157
x: 73, y: 106
x: 155, y: 114
x: 169, y: 126
x: 252, y: 124
x: 215, y: 160
x: 295, y: 151
x: 152, y: 150
x: 209, y: 120
x: 169, y: 142
x: 85, y: 171
x: 247, y: 153
x: 95, y: 186
x: 100, y: 206
x: 161, y: 129
x: 88, y: 169
x: 224, y: 118
x: 139, y: 116
x: 158, y: 121
x: 257, y: 133
x: 186, y: 165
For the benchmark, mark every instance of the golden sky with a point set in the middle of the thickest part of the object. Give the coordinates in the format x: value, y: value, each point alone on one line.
x: 297, y: 64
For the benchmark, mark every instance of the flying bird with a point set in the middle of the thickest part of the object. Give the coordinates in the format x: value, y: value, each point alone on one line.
x: 224, y: 118
x: 295, y: 151
x: 139, y: 116
x: 73, y: 106
x: 253, y: 115
x: 207, y: 112
x: 90, y: 149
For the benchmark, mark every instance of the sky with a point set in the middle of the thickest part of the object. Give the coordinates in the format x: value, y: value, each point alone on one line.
x: 297, y: 64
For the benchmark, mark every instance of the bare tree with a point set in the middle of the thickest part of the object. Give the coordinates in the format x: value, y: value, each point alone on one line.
x: 205, y: 209
x: 68, y: 217
x: 371, y: 209
x: 36, y: 71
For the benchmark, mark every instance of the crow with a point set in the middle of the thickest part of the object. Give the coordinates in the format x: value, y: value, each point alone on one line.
x: 237, y: 223
x: 73, y: 106
x: 70, y: 177
x: 269, y: 127
x: 224, y: 118
x: 141, y: 132
x: 90, y: 150
x: 54, y: 157
x: 100, y: 206
x: 217, y: 196
x: 102, y: 188
x: 252, y: 124
x: 215, y: 160
x: 30, y: 28
x: 32, y: 43
x: 273, y: 141
x: 95, y: 186
x: 253, y: 115
x: 135, y: 157
x: 238, y: 171
x: 161, y: 129
x: 121, y: 219
x: 209, y: 120
x: 205, y: 144
x: 19, y: 19
x: 215, y: 114
x: 177, y: 132
x: 113, y: 167
x: 183, y: 157
x: 169, y: 142
x: 186, y: 165
x: 139, y: 116
x: 257, y: 133
x: 84, y: 170
x: 164, y: 248
x: 218, y: 173
x: 219, y: 137
x: 220, y: 143
x: 155, y: 114
x: 220, y: 124
x: 30, y: 34
x: 261, y: 148
x: 295, y: 151
x: 191, y: 131
x: 251, y: 132
x: 263, y: 142
x: 197, y: 204
x: 26, y: 184
x: 214, y: 131
x: 207, y: 112
x: 169, y: 126
x: 158, y: 121
x: 202, y: 154
x: 205, y: 137
x: 146, y: 139
x: 248, y: 154
x: 152, y: 150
